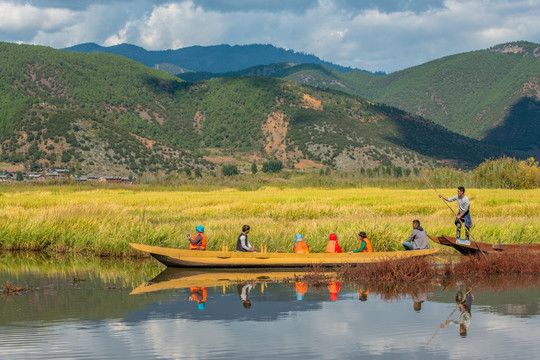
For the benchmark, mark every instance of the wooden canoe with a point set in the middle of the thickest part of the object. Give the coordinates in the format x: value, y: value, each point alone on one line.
x: 470, y: 247
x: 227, y: 259
x: 175, y: 278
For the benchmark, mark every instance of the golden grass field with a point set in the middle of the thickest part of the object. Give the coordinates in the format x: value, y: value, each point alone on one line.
x: 103, y: 221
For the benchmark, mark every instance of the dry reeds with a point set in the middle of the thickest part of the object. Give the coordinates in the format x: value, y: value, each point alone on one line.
x: 10, y: 289
x: 523, y: 263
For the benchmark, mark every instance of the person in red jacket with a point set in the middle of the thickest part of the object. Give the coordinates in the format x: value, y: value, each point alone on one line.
x: 333, y: 288
x: 333, y: 246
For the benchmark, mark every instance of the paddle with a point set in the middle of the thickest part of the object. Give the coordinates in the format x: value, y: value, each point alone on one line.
x: 436, y: 257
x: 455, y: 215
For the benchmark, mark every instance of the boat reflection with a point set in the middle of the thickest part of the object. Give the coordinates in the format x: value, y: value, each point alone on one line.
x: 177, y: 278
x: 294, y: 285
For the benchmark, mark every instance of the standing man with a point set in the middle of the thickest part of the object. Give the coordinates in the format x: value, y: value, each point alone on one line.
x: 463, y: 215
x: 418, y: 239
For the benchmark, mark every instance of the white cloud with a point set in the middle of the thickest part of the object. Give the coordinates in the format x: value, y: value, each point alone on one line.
x: 27, y: 18
x: 335, y: 30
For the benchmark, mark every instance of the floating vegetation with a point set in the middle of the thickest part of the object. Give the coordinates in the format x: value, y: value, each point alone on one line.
x: 10, y: 289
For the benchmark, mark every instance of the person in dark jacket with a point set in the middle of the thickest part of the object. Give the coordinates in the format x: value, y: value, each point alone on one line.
x: 242, y: 244
x: 418, y: 239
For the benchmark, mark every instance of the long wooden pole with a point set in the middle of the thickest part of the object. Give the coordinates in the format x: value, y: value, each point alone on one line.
x: 440, y: 327
x: 455, y: 215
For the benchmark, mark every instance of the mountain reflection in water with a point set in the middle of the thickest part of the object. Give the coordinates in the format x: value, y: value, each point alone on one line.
x: 214, y: 314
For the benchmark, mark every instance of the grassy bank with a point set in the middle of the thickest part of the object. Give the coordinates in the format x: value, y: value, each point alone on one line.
x: 103, y: 221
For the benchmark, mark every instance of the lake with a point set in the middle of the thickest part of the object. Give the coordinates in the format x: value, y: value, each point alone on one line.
x: 93, y: 309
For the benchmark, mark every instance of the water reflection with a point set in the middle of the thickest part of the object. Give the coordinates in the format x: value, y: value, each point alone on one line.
x: 243, y: 292
x: 93, y: 317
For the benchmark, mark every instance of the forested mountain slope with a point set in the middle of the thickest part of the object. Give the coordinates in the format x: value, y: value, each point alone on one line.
x: 105, y: 113
x: 491, y: 94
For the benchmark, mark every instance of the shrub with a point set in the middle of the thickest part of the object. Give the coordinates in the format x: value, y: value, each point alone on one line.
x: 273, y: 166
x: 507, y: 173
x: 229, y: 170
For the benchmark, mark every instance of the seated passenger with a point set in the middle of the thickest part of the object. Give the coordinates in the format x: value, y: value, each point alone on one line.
x: 199, y: 295
x: 301, y: 288
x: 364, y: 245
x: 333, y: 246
x: 242, y: 244
x: 418, y: 239
x: 197, y: 241
x: 333, y: 288
x: 300, y: 246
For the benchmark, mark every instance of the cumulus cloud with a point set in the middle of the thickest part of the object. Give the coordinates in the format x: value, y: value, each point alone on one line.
x: 374, y: 35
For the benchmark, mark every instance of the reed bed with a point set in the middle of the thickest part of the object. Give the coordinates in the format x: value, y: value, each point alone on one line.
x: 102, y: 221
x: 521, y: 263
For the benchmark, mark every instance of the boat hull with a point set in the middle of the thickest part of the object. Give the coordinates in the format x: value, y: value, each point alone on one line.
x: 221, y: 259
x: 470, y: 247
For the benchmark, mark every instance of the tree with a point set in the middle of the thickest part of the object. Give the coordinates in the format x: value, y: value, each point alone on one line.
x: 272, y: 166
x: 19, y: 176
x: 198, y: 173
x: 254, y: 168
x: 229, y: 170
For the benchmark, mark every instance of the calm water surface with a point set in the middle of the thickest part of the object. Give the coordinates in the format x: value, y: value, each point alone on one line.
x: 90, y: 312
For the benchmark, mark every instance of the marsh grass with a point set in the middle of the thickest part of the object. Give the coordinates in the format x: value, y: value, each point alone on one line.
x: 119, y: 272
x: 102, y: 221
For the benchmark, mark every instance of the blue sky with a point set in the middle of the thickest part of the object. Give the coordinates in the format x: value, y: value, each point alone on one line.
x: 385, y: 35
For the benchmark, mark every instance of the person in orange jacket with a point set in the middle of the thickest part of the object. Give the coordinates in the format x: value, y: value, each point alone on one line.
x: 333, y: 288
x: 363, y: 291
x: 301, y: 289
x: 333, y: 246
x: 198, y: 294
x: 197, y: 241
x: 300, y: 246
x: 364, y: 245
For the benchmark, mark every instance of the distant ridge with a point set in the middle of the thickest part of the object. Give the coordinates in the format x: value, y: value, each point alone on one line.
x: 214, y: 59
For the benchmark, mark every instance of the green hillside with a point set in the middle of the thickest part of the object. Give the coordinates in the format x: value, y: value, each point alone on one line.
x: 488, y: 94
x: 103, y: 113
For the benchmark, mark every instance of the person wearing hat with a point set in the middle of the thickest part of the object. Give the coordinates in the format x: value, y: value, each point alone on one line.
x: 198, y: 241
x: 199, y: 295
x: 301, y: 289
x: 300, y: 246
x: 364, y: 245
x: 333, y: 246
x: 333, y: 288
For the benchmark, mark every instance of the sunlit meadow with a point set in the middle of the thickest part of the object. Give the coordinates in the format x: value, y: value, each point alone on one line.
x: 103, y: 221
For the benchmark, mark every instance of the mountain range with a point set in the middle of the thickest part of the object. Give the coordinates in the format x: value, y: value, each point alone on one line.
x: 491, y: 95
x: 217, y: 58
x: 109, y: 114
